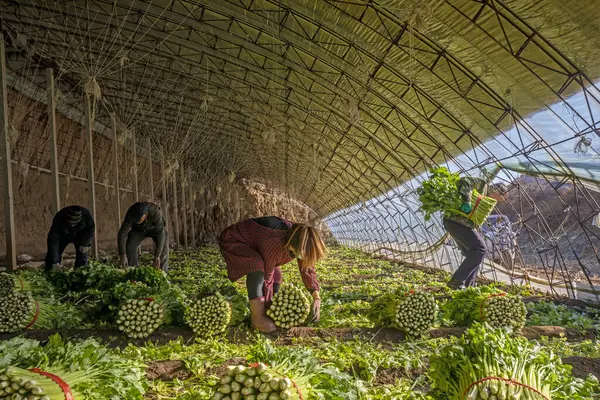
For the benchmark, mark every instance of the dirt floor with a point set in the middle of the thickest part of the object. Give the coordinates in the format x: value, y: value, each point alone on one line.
x: 583, y: 366
x: 114, y: 338
x: 167, y: 370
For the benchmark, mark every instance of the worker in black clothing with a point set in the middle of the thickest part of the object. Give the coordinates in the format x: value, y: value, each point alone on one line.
x: 73, y: 224
x: 141, y: 221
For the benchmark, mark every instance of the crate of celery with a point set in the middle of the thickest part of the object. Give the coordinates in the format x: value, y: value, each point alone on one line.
x: 439, y: 192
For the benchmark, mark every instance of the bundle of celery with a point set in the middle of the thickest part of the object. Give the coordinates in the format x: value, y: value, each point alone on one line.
x: 259, y: 382
x: 439, y: 192
x: 407, y: 310
x: 35, y: 384
x: 88, y: 369
x: 11, y: 282
x: 138, y: 318
x: 489, y: 363
x: 209, y: 315
x: 19, y: 310
x: 486, y: 304
x: 290, y: 306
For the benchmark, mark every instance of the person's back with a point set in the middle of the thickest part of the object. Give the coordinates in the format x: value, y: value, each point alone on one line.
x: 73, y: 224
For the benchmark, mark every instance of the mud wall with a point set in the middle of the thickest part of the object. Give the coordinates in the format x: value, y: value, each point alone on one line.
x: 212, y: 209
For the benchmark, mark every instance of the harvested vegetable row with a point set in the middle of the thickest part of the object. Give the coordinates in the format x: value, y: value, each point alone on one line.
x: 486, y: 304
x: 208, y: 316
x: 138, y: 318
x: 290, y: 307
x: 257, y: 382
x: 19, y: 311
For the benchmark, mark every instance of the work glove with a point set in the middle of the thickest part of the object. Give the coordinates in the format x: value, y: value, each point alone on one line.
x: 316, y: 307
x: 156, y: 262
x: 466, y: 208
x: 85, y: 249
x: 123, y: 260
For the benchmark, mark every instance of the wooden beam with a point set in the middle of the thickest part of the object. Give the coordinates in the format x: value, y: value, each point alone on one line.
x: 53, y: 148
x: 175, y: 212
x: 9, y: 206
x: 136, y: 192
x: 150, y: 169
x: 192, y: 210
x: 91, y: 177
x: 113, y: 120
x: 183, y: 207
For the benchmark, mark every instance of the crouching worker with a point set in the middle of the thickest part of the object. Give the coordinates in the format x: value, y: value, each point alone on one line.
x: 143, y: 220
x: 73, y: 224
x: 256, y: 248
x: 464, y: 232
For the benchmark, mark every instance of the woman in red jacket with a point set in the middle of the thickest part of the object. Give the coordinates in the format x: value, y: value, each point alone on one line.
x: 256, y: 248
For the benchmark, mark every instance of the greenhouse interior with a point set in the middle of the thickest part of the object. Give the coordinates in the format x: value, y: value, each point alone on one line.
x: 300, y: 199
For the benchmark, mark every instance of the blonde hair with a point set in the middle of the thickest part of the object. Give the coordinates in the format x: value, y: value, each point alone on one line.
x: 307, y: 244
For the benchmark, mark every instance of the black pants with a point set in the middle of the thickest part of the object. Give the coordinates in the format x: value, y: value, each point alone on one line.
x: 472, y: 247
x: 54, y: 255
x: 135, y: 238
x: 254, y: 284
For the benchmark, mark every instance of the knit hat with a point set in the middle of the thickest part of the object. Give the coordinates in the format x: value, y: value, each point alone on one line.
x: 73, y: 216
x: 138, y: 210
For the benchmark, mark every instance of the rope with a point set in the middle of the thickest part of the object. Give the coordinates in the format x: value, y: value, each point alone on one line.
x: 484, y: 301
x: 64, y: 386
x: 509, y: 381
x: 479, y: 198
x: 35, y: 317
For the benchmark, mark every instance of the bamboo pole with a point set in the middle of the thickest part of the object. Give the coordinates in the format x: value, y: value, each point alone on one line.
x: 53, y: 148
x: 91, y: 176
x: 135, y: 171
x: 165, y: 204
x: 116, y: 168
x: 192, y: 211
x: 183, y: 207
x: 175, y: 212
x: 9, y: 206
x: 150, y: 169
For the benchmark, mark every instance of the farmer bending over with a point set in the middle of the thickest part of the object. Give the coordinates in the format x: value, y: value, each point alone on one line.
x: 464, y: 231
x: 73, y: 224
x: 141, y: 221
x: 256, y: 248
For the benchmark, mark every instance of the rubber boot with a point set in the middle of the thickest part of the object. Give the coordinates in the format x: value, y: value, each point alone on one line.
x: 258, y: 317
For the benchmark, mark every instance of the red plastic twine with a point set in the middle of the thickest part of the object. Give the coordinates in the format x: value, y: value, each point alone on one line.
x: 486, y: 299
x: 479, y: 198
x: 62, y: 384
x: 148, y: 299
x: 409, y: 292
x: 509, y: 381
x: 21, y: 281
x: 35, y: 317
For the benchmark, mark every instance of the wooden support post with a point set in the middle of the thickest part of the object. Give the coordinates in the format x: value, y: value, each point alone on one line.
x: 136, y: 192
x: 165, y: 204
x: 183, y: 207
x: 116, y: 168
x: 53, y: 148
x: 91, y: 177
x: 150, y: 169
x: 9, y: 206
x: 175, y: 212
x: 192, y: 210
